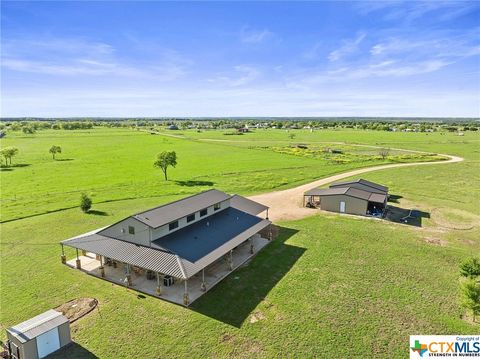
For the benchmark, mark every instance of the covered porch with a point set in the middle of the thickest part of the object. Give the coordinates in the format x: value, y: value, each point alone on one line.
x: 172, y: 288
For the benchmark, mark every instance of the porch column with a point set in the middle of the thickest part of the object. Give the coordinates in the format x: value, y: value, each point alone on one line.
x: 203, y: 287
x: 230, y: 260
x: 64, y: 258
x: 252, y: 247
x: 267, y: 214
x: 77, y: 262
x: 128, y: 276
x: 186, y: 300
x: 102, y: 268
x: 159, y: 285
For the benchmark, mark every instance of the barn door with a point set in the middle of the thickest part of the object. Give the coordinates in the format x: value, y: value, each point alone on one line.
x: 342, y: 207
x: 48, y: 342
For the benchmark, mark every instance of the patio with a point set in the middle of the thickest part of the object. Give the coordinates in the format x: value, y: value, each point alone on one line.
x: 213, y: 273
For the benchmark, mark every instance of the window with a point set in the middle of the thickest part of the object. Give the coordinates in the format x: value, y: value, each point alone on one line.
x: 131, y: 229
x: 216, y: 206
x: 203, y: 212
x: 191, y: 218
x: 173, y: 225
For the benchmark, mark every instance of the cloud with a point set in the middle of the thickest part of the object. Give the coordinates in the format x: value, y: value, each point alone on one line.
x: 253, y: 36
x: 408, y: 11
x: 245, y: 75
x: 348, y: 47
x: 78, y: 57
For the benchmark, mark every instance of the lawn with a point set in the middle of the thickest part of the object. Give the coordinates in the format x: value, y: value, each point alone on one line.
x: 330, y: 285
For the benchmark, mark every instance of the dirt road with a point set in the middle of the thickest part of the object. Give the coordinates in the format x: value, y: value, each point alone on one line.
x: 287, y: 204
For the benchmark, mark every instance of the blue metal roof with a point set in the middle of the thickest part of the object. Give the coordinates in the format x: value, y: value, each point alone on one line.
x: 200, y: 238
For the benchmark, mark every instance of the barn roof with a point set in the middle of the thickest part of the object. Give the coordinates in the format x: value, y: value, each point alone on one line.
x: 361, y: 181
x: 186, y: 251
x: 348, y: 191
x: 37, y: 325
x: 164, y: 214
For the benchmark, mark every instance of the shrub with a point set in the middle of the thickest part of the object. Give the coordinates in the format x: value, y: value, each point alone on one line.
x: 470, y: 267
x: 85, y: 203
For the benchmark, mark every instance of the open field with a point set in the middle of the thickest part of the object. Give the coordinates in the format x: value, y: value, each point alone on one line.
x: 117, y: 164
x: 330, y: 285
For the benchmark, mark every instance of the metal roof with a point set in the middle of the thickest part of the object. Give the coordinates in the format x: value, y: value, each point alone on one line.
x: 361, y: 181
x: 200, y: 238
x: 247, y: 205
x: 127, y: 252
x: 38, y: 325
x: 325, y: 191
x: 348, y: 191
x: 185, y: 251
x: 377, y: 197
x: 172, y: 211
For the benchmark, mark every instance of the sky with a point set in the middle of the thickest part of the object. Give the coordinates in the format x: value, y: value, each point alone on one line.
x: 196, y: 59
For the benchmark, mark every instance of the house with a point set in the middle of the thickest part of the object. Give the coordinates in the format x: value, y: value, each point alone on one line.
x: 178, y: 250
x: 360, y: 197
x: 172, y: 127
x: 39, y: 336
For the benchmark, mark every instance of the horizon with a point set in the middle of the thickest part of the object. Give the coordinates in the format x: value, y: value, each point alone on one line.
x: 122, y: 59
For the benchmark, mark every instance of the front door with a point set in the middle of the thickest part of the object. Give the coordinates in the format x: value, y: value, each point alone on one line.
x: 342, y: 207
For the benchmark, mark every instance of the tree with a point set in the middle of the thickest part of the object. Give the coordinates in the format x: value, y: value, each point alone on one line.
x: 470, y: 296
x: 384, y: 152
x: 28, y: 130
x: 8, y: 153
x: 470, y: 267
x: 164, y: 160
x: 54, y: 150
x: 291, y: 136
x: 85, y: 203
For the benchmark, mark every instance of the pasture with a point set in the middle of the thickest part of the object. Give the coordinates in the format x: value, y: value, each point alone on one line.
x: 330, y: 285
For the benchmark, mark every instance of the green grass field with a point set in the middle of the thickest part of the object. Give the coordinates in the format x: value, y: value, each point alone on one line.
x: 330, y: 285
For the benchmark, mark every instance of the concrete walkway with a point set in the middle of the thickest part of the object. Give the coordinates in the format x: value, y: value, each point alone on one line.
x: 287, y: 204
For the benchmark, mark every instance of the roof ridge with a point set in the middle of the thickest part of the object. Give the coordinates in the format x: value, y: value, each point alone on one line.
x: 178, y: 200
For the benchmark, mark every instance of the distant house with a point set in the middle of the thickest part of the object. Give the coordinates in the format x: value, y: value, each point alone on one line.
x: 2, y: 134
x: 39, y: 336
x: 360, y: 197
x: 243, y: 130
x: 172, y: 127
x: 177, y: 250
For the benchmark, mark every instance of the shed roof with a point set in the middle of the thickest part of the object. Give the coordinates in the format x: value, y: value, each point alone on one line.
x: 37, y: 325
x: 348, y: 191
x: 172, y: 211
x: 247, y: 205
x: 361, y: 181
x: 325, y: 191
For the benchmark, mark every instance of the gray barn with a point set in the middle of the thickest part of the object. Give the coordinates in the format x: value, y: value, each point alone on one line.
x: 360, y: 197
x: 39, y: 336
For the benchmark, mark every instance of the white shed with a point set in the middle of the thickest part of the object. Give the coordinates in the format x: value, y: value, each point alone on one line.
x: 39, y: 336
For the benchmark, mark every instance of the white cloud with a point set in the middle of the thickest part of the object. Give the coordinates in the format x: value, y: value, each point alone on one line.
x: 348, y: 47
x: 254, y: 36
x: 243, y: 75
x: 73, y: 57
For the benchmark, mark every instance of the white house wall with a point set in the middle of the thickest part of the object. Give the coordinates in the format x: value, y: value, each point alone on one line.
x: 120, y: 231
